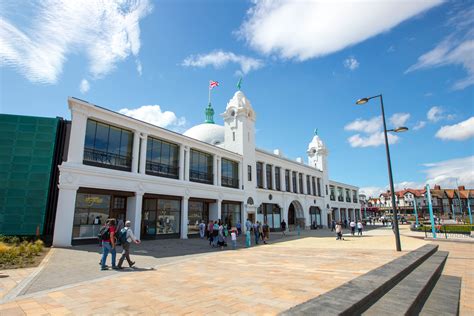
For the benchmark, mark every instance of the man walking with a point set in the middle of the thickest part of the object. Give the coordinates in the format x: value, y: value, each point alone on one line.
x: 283, y: 227
x: 127, y: 236
x: 107, y: 237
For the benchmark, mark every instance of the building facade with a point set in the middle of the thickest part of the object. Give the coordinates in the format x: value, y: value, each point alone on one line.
x: 166, y: 183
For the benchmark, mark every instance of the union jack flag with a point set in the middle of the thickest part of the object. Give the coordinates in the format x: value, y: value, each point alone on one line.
x: 213, y: 84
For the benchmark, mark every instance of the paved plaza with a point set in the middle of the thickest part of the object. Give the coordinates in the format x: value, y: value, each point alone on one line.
x: 178, y: 277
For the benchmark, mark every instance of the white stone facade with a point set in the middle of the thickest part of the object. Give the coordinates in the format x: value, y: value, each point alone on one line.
x: 238, y: 146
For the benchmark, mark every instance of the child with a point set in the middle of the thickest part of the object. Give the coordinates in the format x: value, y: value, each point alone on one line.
x: 233, y: 236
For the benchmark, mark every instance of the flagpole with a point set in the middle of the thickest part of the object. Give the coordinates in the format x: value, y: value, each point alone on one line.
x: 209, y: 92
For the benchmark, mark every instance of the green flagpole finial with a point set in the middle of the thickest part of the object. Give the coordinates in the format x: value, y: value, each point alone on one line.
x: 209, y: 114
x: 315, y: 132
x: 239, y: 84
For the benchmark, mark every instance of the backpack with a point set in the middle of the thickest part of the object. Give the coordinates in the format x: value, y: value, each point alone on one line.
x: 122, y: 236
x: 104, y: 233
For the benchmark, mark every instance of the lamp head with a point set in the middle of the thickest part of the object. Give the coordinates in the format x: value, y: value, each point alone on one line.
x: 400, y: 129
x: 362, y: 101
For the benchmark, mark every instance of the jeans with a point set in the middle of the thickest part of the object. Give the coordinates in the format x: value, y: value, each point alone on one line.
x: 234, y: 244
x: 125, y: 255
x: 106, y: 248
x: 256, y: 238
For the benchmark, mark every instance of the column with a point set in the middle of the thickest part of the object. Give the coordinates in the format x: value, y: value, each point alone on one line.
x: 64, y: 215
x: 181, y: 162
x: 219, y: 209
x: 347, y: 214
x: 134, y: 212
x: 144, y: 140
x: 135, y: 151
x: 264, y: 175
x: 273, y: 178
x: 214, y: 169
x: 184, y: 218
x: 187, y: 159
x: 77, y: 137
x: 219, y: 171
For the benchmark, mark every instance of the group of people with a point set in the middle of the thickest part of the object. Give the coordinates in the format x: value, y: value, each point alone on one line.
x: 111, y: 235
x: 338, y: 227
x: 217, y: 233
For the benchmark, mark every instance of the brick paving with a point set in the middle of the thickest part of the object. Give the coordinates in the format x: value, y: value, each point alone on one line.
x: 260, y: 280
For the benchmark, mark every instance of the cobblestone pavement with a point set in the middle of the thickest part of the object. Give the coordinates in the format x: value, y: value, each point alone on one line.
x: 260, y: 280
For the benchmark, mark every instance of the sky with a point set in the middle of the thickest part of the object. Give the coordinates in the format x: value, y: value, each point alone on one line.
x: 303, y: 64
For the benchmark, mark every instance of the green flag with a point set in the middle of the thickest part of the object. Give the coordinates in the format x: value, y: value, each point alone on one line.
x: 239, y: 84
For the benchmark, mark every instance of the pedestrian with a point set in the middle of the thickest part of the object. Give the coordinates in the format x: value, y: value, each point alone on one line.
x: 126, y: 238
x: 247, y: 238
x: 202, y: 229
x: 248, y: 225
x: 333, y: 225
x: 283, y: 227
x: 220, y: 236
x: 233, y: 236
x: 210, y: 231
x: 215, y: 234
x: 260, y: 232
x: 359, y: 228
x: 345, y: 223
x: 353, y: 226
x: 339, y: 231
x: 107, y: 237
x: 266, y: 232
x: 256, y: 232
x: 239, y: 228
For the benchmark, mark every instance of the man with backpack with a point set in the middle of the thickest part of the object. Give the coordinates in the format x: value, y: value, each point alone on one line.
x: 107, y: 238
x: 126, y: 236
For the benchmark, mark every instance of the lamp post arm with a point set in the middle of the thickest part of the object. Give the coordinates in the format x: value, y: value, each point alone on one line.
x: 394, y: 205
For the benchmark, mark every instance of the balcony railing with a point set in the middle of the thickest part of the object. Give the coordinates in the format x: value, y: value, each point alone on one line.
x: 230, y: 182
x: 348, y: 199
x: 332, y: 197
x: 108, y: 160
x: 340, y: 199
x: 162, y: 170
x: 202, y: 177
x: 354, y: 199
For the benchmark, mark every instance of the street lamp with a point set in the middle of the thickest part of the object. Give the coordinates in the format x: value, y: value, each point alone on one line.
x: 392, y: 191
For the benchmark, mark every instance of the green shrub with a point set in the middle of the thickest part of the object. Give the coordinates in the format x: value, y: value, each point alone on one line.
x: 15, y: 252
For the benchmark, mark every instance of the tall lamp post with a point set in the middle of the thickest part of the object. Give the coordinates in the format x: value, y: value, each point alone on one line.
x: 392, y: 191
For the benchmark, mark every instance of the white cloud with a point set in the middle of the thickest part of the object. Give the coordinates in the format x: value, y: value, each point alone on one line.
x: 154, y: 115
x: 460, y: 131
x: 372, y: 140
x: 367, y: 126
x: 219, y: 59
x: 399, y: 119
x: 435, y: 114
x: 351, y: 63
x: 447, y: 174
x: 455, y: 49
x: 84, y: 86
x: 106, y: 31
x: 419, y: 125
x: 306, y: 29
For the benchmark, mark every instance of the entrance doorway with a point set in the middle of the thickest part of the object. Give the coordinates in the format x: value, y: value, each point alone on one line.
x: 291, y: 215
x: 251, y: 217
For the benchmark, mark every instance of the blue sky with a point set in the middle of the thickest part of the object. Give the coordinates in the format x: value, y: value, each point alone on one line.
x: 304, y: 64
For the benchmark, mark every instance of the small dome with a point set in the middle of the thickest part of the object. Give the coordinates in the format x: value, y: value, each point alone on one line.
x: 209, y: 133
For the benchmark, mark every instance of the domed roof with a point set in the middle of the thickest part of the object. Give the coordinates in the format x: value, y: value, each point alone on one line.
x: 209, y: 133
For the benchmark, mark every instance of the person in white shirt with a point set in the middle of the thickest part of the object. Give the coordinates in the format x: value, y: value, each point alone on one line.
x: 202, y: 229
x: 233, y: 236
x: 359, y: 228
x: 353, y: 225
x: 127, y: 237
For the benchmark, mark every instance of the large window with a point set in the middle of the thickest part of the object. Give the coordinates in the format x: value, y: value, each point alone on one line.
x: 277, y: 179
x: 332, y: 195
x: 268, y: 172
x: 198, y: 212
x: 270, y: 214
x: 249, y: 173
x: 231, y: 213
x: 259, y: 175
x: 230, y: 173
x: 348, y: 195
x: 300, y: 182
x: 319, y: 187
x: 287, y: 180
x: 340, y: 194
x: 200, y: 169
x: 108, y: 146
x: 313, y: 185
x: 308, y: 185
x: 162, y: 158
x: 295, y: 184
x: 354, y: 196
x: 161, y: 217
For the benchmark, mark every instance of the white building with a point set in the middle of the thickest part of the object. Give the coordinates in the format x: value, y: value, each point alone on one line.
x: 166, y: 182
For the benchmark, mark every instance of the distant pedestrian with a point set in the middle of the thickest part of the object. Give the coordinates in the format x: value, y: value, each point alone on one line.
x: 283, y: 227
x: 202, y: 229
x: 247, y: 238
x: 266, y: 232
x: 345, y: 223
x: 339, y: 231
x: 333, y: 225
x: 248, y: 225
x: 210, y: 230
x: 239, y: 228
x: 220, y: 236
x: 126, y: 238
x: 359, y: 228
x: 215, y: 234
x: 256, y: 232
x: 353, y: 226
x: 233, y: 236
x: 260, y: 232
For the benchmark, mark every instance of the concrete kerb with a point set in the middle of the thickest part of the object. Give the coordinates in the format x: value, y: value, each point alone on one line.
x: 357, y: 295
x: 17, y: 290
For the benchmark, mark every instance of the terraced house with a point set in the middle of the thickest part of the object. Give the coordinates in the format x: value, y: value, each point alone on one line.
x: 166, y: 182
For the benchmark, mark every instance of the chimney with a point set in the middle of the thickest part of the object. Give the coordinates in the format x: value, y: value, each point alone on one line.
x: 299, y: 160
x: 277, y: 152
x: 461, y: 188
x: 437, y: 187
